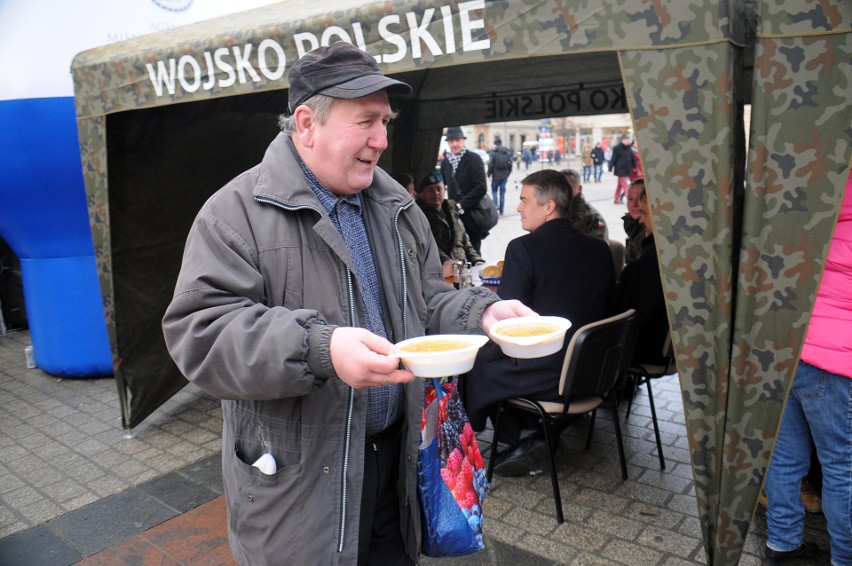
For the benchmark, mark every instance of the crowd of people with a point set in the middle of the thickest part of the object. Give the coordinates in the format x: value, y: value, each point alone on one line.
x: 290, y: 299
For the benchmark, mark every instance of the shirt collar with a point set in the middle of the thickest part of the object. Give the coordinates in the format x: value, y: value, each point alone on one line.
x: 328, y: 199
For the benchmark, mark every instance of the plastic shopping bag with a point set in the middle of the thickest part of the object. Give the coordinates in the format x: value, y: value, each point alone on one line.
x: 451, y: 475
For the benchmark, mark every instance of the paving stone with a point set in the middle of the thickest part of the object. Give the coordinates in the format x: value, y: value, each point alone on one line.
x: 40, y: 511
x: 109, y: 521
x: 81, y: 470
x: 532, y: 521
x: 21, y: 497
x: 495, y: 507
x: 207, y: 471
x: 177, y: 492
x: 546, y: 548
x: 669, y: 541
x: 579, y: 536
x: 684, y: 504
x: 587, y: 559
x: 625, y: 552
x: 12, y: 529
x: 64, y: 490
x: 37, y: 546
x: 108, y: 485
x: 90, y: 448
x: 663, y: 480
x: 615, y: 524
x: 647, y: 513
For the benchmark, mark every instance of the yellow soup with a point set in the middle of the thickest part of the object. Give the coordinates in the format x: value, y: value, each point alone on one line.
x: 434, y: 346
x: 525, y: 330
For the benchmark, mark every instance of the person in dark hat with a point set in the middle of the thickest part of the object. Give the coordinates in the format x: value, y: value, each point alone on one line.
x: 464, y: 176
x: 297, y: 279
x: 447, y: 228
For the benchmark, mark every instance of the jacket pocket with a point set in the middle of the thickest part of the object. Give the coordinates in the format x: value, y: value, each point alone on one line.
x: 262, y: 508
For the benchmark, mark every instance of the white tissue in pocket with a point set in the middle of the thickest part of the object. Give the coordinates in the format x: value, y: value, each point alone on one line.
x: 266, y: 464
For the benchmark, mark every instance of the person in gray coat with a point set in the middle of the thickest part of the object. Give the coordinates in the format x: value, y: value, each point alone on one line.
x: 297, y: 278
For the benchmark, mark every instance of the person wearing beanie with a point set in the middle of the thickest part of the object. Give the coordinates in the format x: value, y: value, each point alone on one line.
x: 447, y: 228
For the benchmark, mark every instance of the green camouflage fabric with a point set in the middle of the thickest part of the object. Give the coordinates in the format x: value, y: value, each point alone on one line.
x: 587, y: 219
x: 738, y: 326
x: 740, y: 253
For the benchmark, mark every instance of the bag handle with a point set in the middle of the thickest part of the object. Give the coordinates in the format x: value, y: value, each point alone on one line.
x: 439, y: 388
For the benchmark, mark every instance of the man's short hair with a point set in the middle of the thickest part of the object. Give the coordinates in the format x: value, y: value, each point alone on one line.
x: 573, y: 177
x: 551, y: 185
x: 403, y: 179
x: 320, y: 104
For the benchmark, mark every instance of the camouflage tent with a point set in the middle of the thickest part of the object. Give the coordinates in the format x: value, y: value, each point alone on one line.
x: 166, y: 119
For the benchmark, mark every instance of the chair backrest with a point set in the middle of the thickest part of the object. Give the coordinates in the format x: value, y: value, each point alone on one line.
x: 616, y: 248
x: 597, y: 355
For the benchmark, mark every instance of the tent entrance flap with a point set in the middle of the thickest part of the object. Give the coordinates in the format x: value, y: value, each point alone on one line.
x: 163, y: 164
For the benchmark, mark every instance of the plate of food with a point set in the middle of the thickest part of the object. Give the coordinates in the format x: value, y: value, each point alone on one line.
x: 530, y: 336
x: 439, y: 355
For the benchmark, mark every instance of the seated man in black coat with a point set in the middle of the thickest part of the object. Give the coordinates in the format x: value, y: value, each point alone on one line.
x: 556, y: 270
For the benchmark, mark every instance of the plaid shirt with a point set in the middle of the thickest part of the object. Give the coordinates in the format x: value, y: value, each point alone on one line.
x: 384, y: 402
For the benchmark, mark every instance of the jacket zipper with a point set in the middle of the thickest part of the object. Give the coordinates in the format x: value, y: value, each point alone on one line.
x: 402, y: 270
x: 347, y: 443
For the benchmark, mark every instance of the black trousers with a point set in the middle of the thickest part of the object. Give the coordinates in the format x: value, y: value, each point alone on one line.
x: 380, y: 540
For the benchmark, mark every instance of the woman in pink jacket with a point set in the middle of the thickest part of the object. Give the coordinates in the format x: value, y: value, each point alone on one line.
x: 819, y: 411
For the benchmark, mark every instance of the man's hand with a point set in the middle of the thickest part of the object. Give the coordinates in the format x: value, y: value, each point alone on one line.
x: 447, y: 268
x: 360, y: 358
x: 502, y: 310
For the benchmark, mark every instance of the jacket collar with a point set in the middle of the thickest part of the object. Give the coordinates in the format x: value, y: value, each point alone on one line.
x: 281, y: 179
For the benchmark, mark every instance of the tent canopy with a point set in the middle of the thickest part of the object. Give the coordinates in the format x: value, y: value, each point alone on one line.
x: 166, y: 119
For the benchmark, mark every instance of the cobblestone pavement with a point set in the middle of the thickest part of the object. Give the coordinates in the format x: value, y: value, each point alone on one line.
x: 73, y: 484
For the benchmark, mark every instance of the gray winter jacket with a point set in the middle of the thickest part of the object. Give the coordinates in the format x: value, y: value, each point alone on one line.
x: 265, y: 280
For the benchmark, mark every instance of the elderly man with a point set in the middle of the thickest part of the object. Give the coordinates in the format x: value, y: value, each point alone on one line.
x: 447, y: 227
x: 297, y: 278
x: 582, y: 215
x: 557, y: 270
x: 464, y: 175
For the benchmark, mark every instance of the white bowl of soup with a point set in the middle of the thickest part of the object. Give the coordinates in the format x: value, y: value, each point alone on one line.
x: 440, y: 355
x: 530, y: 336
